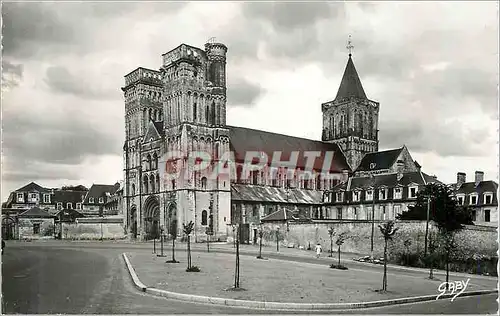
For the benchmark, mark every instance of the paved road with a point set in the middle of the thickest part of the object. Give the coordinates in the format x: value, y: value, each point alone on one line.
x: 52, y: 278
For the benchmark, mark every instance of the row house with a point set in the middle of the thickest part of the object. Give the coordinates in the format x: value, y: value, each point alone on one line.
x: 97, y: 197
x: 386, y: 182
x: 480, y: 196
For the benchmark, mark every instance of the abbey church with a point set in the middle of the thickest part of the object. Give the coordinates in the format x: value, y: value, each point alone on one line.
x: 182, y: 107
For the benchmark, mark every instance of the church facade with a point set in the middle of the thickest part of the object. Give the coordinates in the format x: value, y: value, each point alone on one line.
x: 182, y: 108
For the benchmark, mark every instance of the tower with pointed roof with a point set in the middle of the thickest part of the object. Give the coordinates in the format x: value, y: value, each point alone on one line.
x: 351, y: 119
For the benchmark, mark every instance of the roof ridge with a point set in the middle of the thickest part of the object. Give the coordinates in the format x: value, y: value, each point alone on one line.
x: 274, y: 133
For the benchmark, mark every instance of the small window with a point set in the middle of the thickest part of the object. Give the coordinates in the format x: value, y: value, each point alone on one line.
x: 20, y: 197
x: 413, y: 192
x: 204, y: 183
x: 69, y: 206
x: 487, y: 199
x: 173, y: 184
x: 255, y: 175
x: 78, y: 206
x: 339, y: 213
x: 355, y: 196
x: 46, y: 198
x: 101, y: 200
x: 91, y: 200
x: 224, y: 218
x: 460, y: 200
x: 355, y: 213
x: 255, y: 211
x: 59, y: 205
x: 382, y: 213
x: 36, y: 229
x: 398, y: 193
x: 204, y: 218
x: 486, y: 215
x: 339, y: 196
x: 474, y: 215
x: 473, y: 200
x: 382, y: 194
x: 369, y: 195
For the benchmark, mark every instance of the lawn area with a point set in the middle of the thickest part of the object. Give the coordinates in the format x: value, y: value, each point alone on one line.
x: 275, y: 280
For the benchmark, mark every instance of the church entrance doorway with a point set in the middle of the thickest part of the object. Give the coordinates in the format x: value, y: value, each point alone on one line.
x: 171, y: 220
x: 152, y: 218
x: 8, y: 228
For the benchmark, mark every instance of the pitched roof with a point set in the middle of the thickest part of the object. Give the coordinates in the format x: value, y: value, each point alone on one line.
x: 381, y: 160
x: 66, y: 196
x: 258, y: 193
x: 245, y: 139
x: 99, y: 190
x: 281, y: 215
x: 350, y: 86
x: 389, y: 180
x: 30, y: 187
x: 483, y: 186
x: 36, y: 212
x: 68, y: 215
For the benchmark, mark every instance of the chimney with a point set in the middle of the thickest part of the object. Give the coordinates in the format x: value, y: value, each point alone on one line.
x: 479, y: 176
x: 399, y: 168
x: 460, y: 179
x: 345, y: 175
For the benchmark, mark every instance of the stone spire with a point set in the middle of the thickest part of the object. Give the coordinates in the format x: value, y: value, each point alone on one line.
x: 350, y: 86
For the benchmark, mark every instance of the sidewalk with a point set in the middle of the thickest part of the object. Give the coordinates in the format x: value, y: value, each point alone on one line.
x: 276, y: 280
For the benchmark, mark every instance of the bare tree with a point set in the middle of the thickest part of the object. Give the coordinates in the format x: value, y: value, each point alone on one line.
x: 173, y: 233
x: 261, y: 234
x: 188, y: 229
x: 237, y: 271
x: 332, y: 233
x: 341, y: 238
x: 388, y: 230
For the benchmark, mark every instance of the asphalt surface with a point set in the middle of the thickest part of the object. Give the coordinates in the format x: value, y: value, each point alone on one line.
x: 90, y: 278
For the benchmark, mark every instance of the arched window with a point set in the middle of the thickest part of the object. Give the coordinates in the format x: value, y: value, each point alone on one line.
x: 148, y: 164
x: 152, y: 183
x: 207, y: 114
x: 157, y: 183
x: 204, y: 218
x: 360, y: 124
x: 133, y: 190
x: 150, y: 114
x: 146, y: 183
x: 204, y: 183
x: 155, y: 161
x: 194, y: 112
x: 213, y: 112
x: 318, y: 182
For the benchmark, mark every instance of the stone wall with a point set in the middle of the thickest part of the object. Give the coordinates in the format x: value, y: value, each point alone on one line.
x: 471, y: 240
x: 90, y: 231
x: 26, y: 228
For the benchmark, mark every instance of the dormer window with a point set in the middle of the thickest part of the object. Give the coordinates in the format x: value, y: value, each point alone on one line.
x: 369, y: 195
x: 355, y: 196
x: 460, y: 200
x: 413, y: 192
x: 59, y: 205
x: 488, y: 198
x: 382, y: 194
x: 46, y: 198
x: 340, y: 196
x: 78, y: 206
x: 91, y: 200
x: 473, y: 199
x: 20, y: 197
x: 398, y: 193
x: 69, y: 206
x: 101, y: 200
x: 33, y: 197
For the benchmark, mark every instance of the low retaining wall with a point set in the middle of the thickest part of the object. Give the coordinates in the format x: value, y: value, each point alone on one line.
x: 472, y: 240
x: 94, y: 228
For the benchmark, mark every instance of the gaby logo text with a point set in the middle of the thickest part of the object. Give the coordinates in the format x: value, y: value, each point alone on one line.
x: 456, y: 287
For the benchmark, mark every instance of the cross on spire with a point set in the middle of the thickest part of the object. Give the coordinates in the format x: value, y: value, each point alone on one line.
x: 349, y: 46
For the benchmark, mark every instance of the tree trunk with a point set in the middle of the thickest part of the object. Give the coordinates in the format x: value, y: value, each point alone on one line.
x: 331, y: 247
x: 173, y: 250
x: 189, y: 253
x: 339, y: 256
x: 384, y: 282
x: 237, y: 270
x: 260, y: 247
x: 208, y: 243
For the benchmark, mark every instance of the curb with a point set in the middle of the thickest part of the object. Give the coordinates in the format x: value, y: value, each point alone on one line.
x: 138, y: 284
x: 286, y: 306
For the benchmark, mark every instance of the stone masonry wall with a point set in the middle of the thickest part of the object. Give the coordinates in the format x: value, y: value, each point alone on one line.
x: 471, y: 240
x: 91, y: 231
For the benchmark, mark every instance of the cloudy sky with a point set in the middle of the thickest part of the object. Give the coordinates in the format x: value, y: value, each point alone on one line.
x: 432, y: 66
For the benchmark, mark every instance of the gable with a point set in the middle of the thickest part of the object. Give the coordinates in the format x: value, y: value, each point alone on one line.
x: 379, y: 160
x: 152, y: 132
